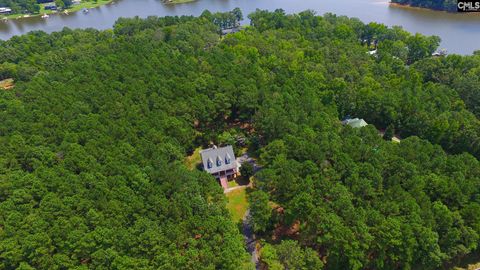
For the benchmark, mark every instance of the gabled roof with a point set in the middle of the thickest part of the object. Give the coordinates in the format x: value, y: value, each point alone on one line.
x: 355, y: 122
x: 230, y: 30
x: 220, y: 159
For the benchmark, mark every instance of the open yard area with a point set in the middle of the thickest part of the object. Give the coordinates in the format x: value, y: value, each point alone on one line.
x: 88, y: 4
x: 237, y: 203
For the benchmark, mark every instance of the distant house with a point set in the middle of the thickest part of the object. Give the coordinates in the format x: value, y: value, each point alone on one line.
x: 373, y: 52
x: 230, y: 30
x: 5, y: 10
x: 438, y: 53
x: 221, y: 163
x: 51, y: 7
x: 355, y: 122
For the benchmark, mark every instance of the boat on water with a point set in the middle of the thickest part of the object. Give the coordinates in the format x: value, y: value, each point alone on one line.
x: 85, y: 10
x: 45, y: 16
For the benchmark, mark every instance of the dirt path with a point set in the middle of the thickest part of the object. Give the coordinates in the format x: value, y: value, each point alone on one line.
x: 250, y: 241
x: 247, y: 230
x: 230, y: 189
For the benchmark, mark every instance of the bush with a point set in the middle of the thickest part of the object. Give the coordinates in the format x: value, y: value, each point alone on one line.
x: 246, y: 170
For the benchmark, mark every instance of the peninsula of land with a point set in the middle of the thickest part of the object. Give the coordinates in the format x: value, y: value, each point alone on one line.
x: 442, y: 5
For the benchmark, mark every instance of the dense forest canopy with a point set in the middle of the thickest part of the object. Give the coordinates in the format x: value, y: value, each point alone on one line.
x: 94, y: 133
x: 448, y: 5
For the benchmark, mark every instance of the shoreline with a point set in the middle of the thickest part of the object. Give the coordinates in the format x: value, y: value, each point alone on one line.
x: 176, y: 2
x: 407, y: 6
x: 76, y: 8
x: 72, y: 9
x: 410, y: 7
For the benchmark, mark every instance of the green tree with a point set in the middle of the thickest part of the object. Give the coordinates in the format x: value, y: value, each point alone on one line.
x: 246, y: 170
x: 389, y: 132
x: 260, y: 211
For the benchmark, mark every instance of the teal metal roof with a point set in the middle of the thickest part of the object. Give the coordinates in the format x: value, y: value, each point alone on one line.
x: 356, y: 122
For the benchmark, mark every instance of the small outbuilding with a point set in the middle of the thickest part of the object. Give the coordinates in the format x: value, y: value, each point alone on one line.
x: 230, y: 31
x: 355, y: 122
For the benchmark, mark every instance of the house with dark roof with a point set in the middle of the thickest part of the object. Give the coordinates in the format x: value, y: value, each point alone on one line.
x: 221, y: 163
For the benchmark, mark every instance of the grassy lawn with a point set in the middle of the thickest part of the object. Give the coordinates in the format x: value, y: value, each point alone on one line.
x: 232, y: 183
x: 237, y: 204
x: 193, y: 160
x: 91, y: 4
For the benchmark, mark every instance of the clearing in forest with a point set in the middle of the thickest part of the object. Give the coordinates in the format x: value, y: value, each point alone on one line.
x: 237, y: 203
x: 7, y: 84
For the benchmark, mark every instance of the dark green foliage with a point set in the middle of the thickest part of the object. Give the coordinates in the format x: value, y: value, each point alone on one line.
x: 93, y: 136
x: 21, y: 6
x: 462, y: 74
x: 246, y: 170
x: 225, y: 20
x: 260, y: 211
x: 289, y: 255
x: 363, y: 202
x: 63, y: 3
x: 389, y: 132
x: 92, y: 144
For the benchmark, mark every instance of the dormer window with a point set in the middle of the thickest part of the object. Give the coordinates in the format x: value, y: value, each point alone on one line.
x: 219, y: 161
x: 209, y: 163
x: 228, y: 159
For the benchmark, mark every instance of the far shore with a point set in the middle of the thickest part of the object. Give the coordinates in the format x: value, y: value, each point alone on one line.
x: 73, y: 8
x: 413, y: 7
x: 174, y: 2
x: 407, y: 6
x: 76, y: 8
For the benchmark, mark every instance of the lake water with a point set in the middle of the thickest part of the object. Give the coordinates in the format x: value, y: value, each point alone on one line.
x: 460, y: 33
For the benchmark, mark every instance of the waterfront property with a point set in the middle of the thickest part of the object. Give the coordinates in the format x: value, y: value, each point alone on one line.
x: 423, y: 21
x: 440, y: 52
x: 220, y: 162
